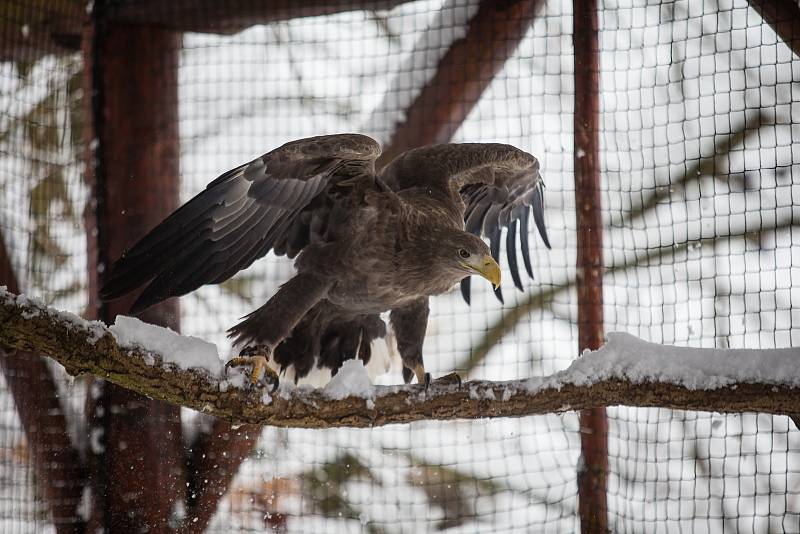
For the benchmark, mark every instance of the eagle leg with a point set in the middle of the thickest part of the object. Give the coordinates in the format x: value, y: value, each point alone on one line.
x: 268, y: 326
x: 416, y: 369
x: 256, y: 357
x: 409, y: 324
x: 422, y: 376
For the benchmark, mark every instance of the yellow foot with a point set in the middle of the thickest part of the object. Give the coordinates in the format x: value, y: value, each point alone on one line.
x: 419, y: 372
x: 260, y: 372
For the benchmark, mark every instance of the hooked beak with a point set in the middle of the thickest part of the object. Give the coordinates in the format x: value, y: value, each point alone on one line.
x: 487, y: 268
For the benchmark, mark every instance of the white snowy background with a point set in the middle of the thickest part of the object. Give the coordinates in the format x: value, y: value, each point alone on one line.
x: 719, y: 258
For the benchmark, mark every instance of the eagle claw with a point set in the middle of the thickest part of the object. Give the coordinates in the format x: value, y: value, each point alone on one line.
x: 260, y: 372
x: 452, y: 378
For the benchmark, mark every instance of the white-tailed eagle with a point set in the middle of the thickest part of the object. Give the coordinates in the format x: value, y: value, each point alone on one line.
x: 364, y: 242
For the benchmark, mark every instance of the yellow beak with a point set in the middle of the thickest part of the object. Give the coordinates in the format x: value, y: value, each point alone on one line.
x: 487, y: 268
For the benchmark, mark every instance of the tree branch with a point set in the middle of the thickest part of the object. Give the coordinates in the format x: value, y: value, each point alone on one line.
x: 90, y: 348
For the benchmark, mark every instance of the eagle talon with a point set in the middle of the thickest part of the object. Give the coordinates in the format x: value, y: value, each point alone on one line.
x: 259, y: 373
x: 270, y: 378
x: 422, y: 376
x: 452, y: 378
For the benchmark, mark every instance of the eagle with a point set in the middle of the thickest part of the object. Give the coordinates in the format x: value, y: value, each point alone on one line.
x: 364, y: 242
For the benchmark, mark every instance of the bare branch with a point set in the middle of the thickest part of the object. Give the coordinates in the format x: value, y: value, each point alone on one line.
x: 89, y: 348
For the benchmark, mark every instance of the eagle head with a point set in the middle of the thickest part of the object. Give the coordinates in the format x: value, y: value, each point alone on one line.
x: 463, y: 254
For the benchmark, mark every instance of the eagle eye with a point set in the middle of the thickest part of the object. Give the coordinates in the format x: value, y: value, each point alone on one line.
x: 463, y: 253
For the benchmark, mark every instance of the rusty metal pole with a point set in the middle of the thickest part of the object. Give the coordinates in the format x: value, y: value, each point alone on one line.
x: 593, y: 422
x: 136, y: 459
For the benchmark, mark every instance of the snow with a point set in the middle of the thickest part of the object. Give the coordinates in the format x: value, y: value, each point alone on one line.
x: 352, y: 380
x: 183, y: 351
x: 626, y: 357
x: 96, y: 444
x: 94, y: 329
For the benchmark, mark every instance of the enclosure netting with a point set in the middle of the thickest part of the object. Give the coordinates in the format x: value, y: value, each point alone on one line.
x: 700, y: 155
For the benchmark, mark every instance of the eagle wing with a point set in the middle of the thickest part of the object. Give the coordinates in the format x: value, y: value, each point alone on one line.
x: 499, y: 185
x: 237, y: 219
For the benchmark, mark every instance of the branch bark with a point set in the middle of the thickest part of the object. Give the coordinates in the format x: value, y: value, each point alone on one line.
x: 84, y: 348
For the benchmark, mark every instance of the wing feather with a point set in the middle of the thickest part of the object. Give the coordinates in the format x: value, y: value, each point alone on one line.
x: 465, y: 286
x: 537, y: 205
x: 498, y: 185
x: 237, y: 219
x: 511, y: 253
x: 523, y: 241
x: 494, y: 247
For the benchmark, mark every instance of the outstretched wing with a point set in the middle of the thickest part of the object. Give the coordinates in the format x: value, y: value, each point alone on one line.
x: 499, y: 185
x: 237, y: 219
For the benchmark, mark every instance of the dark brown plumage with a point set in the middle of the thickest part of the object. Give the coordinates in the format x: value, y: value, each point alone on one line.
x: 364, y: 242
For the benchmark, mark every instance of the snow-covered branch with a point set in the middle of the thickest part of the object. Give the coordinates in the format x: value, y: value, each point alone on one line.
x: 187, y: 372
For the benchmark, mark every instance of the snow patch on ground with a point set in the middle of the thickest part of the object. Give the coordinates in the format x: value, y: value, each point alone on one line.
x: 183, y: 351
x: 352, y: 380
x: 626, y: 357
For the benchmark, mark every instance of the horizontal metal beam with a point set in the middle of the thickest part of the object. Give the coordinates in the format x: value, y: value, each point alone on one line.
x: 230, y: 16
x: 34, y: 28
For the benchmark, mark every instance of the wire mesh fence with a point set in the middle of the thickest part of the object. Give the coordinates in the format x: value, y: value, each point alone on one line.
x: 700, y: 172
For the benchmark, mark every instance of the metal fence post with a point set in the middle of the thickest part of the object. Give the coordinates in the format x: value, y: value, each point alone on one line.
x: 593, y: 422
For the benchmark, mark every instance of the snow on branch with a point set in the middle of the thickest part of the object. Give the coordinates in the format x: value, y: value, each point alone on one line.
x: 188, y: 372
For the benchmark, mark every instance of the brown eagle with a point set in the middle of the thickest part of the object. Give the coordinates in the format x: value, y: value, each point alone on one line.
x: 365, y: 242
